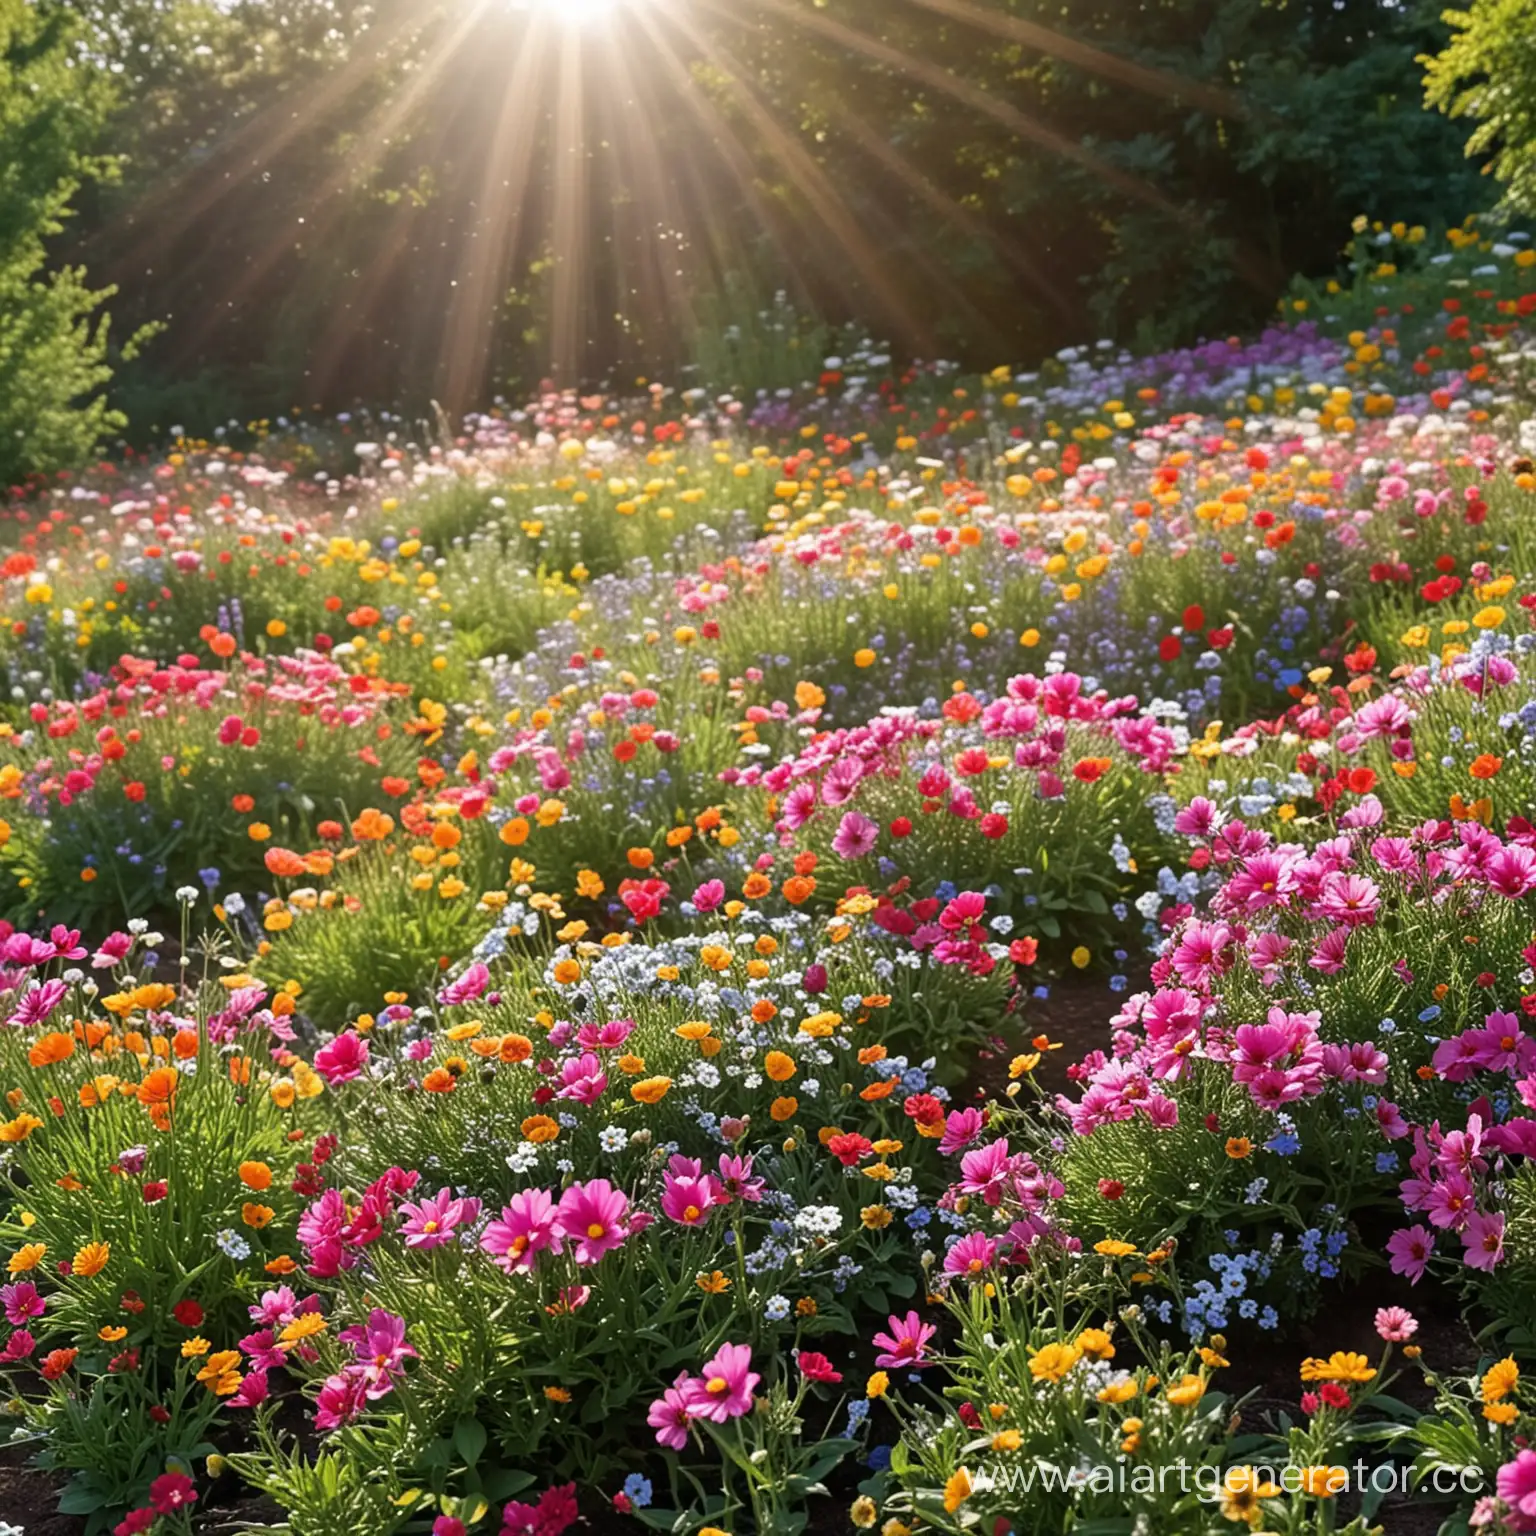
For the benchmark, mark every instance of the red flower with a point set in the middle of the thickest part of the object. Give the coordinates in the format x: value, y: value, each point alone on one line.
x: 968, y: 1416
x: 188, y: 1313
x: 816, y: 1367
x: 135, y: 1521
x: 1194, y: 617
x: 1170, y: 648
x: 172, y: 1491
x: 849, y: 1148
x: 1362, y: 780
x: 901, y: 827
x: 994, y: 826
x: 1220, y: 639
x: 1334, y: 1395
x: 1111, y: 1189
x: 1023, y: 951
x: 134, y: 790
x: 157, y: 1189
x: 56, y: 1362
x: 159, y: 1414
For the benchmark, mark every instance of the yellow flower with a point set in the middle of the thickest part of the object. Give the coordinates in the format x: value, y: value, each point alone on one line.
x: 193, y: 1349
x: 874, y: 1217
x: 957, y: 1490
x: 863, y: 1513
x: 111, y: 1333
x: 1186, y: 1392
x: 1242, y: 1489
x: 1095, y: 1343
x: 1341, y: 1365
x: 91, y: 1260
x: 1500, y: 1380
x: 1324, y: 1482
x: 877, y: 1385
x: 29, y: 1256
x: 1501, y: 1413
x: 1488, y: 618
x: 650, y: 1090
x: 1113, y: 1248
x: 1121, y: 1391
x: 713, y: 1283
x: 1052, y: 1361
x: 305, y: 1326
x: 1007, y: 1440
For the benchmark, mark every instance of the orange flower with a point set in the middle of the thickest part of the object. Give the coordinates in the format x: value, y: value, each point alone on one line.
x: 640, y: 858
x: 539, y: 1129
x: 91, y: 1260
x: 51, y: 1048
x: 439, y: 1080
x: 798, y: 889
x: 779, y: 1066
x: 256, y: 1216
x: 783, y: 1108
x: 256, y: 1176
x: 1485, y: 765
x: 516, y: 1048
x: 650, y: 1090
x: 756, y: 887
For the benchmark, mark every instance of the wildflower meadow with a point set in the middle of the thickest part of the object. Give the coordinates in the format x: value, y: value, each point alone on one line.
x: 904, y: 946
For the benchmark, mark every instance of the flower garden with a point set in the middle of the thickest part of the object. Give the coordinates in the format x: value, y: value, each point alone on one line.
x: 927, y: 952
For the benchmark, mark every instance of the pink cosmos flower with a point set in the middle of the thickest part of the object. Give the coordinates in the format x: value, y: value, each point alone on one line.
x: 1517, y: 1488
x: 431, y: 1222
x: 525, y: 1228
x: 737, y: 1180
x: 904, y: 1345
x: 855, y: 837
x: 961, y: 1128
x: 343, y: 1059
x: 1409, y: 1250
x: 688, y: 1201
x: 972, y: 1256
x: 584, y: 1078
x: 381, y: 1350
x: 1352, y: 900
x: 341, y: 1398
x: 591, y: 1216
x: 22, y: 1301
x: 1396, y: 1324
x: 724, y: 1388
x: 670, y: 1415
x: 1483, y: 1238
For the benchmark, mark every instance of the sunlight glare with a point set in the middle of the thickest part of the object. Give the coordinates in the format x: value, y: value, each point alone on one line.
x: 575, y: 13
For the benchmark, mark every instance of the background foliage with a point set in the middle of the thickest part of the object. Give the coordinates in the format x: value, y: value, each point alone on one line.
x: 327, y: 201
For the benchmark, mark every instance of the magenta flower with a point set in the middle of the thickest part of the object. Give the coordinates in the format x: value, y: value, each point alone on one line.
x: 1410, y: 1250
x: 341, y: 1399
x: 961, y: 1128
x: 525, y: 1229
x: 724, y: 1389
x: 709, y: 895
x: 554, y: 1513
x: 1483, y: 1238
x: 1517, y: 1488
x: 22, y: 1302
x: 592, y: 1216
x: 972, y: 1256
x: 381, y: 1350
x: 855, y: 837
x: 670, y: 1415
x: 431, y: 1222
x: 584, y: 1078
x: 343, y: 1059
x: 688, y: 1201
x: 905, y: 1344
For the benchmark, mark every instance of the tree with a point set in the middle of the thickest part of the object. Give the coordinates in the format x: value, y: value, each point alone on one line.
x: 53, y: 333
x: 1487, y: 72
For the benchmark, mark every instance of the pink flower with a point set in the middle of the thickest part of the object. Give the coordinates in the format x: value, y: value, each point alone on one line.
x: 905, y: 1343
x: 709, y: 896
x: 816, y: 1367
x: 688, y: 1201
x: 855, y: 837
x: 431, y: 1222
x: 670, y: 1415
x: 21, y: 1302
x: 1483, y: 1238
x: 972, y: 1256
x: 1517, y: 1488
x: 1396, y: 1324
x: 343, y: 1059
x: 340, y: 1400
x: 526, y: 1228
x: 591, y: 1216
x: 1410, y: 1250
x: 724, y: 1389
x: 961, y: 1128
x: 737, y: 1181
x: 555, y: 1512
x: 381, y: 1350
x: 584, y: 1079
x: 1351, y: 900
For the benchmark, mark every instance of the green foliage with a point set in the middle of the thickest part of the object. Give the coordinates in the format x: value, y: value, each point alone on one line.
x: 53, y: 337
x: 1487, y: 73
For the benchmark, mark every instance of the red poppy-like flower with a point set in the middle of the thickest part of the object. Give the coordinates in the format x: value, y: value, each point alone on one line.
x: 188, y: 1313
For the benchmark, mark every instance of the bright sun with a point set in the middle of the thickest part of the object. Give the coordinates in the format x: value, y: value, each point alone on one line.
x: 578, y: 13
